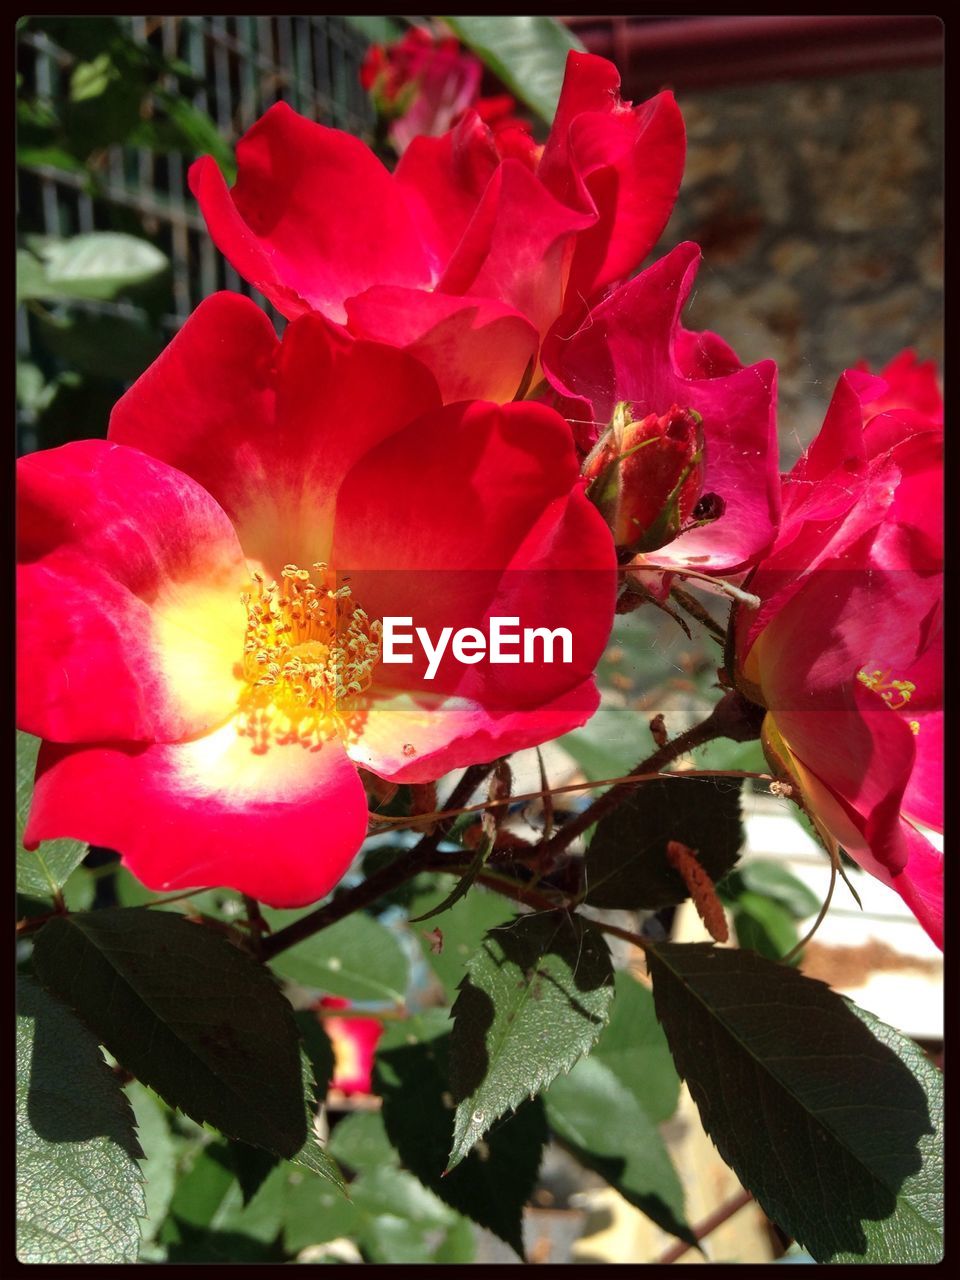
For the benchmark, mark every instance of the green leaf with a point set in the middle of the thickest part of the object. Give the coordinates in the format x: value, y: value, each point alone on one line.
x: 764, y: 926
x: 462, y: 928
x: 318, y: 1048
x: 159, y: 1152
x: 360, y: 1141
x: 357, y: 958
x: 534, y: 999
x: 96, y: 266
x: 829, y: 1117
x: 459, y: 890
x: 312, y: 1156
x: 313, y: 1212
x: 626, y: 864
x: 79, y: 1189
x: 493, y: 1183
x: 606, y: 1128
x: 187, y: 1013
x: 208, y: 1221
x: 41, y: 873
x: 378, y: 30
x: 398, y: 1216
x: 118, y: 347
x: 528, y: 54
x: 773, y: 880
x: 632, y: 1045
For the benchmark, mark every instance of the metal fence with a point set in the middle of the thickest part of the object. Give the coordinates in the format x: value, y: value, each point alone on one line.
x: 243, y: 66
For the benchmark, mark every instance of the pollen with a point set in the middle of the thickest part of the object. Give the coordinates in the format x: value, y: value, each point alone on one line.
x: 895, y: 693
x: 309, y: 653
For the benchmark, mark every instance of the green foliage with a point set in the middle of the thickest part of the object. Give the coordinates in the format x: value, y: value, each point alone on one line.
x: 764, y: 926
x: 528, y: 54
x: 493, y: 1183
x: 79, y: 1189
x: 632, y: 1045
x: 94, y: 267
x: 41, y: 873
x: 534, y: 999
x: 607, y: 1109
x: 360, y: 1142
x: 187, y: 1013
x: 829, y: 1117
x: 358, y: 958
x: 462, y: 928
x: 606, y: 1128
x: 626, y: 864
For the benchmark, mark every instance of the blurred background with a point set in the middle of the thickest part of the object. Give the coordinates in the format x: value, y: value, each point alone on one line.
x: 814, y: 185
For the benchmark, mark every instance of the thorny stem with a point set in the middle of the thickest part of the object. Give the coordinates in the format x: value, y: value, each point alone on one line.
x: 727, y: 720
x: 630, y: 779
x: 381, y: 882
x: 716, y: 1219
x: 703, y: 616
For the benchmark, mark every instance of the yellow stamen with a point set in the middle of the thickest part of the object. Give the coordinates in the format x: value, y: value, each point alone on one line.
x: 309, y: 652
x: 895, y: 693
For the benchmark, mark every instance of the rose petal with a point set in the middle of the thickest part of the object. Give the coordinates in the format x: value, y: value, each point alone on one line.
x: 282, y: 826
x: 305, y: 198
x: 130, y: 620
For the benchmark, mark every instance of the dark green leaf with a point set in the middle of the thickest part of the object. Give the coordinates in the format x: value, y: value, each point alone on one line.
x: 357, y: 958
x: 317, y: 1047
x: 528, y: 54
x: 626, y: 864
x: 764, y: 926
x: 632, y: 1045
x: 187, y: 1013
x: 494, y: 1182
x: 312, y: 1155
x: 534, y: 999
x: 606, y: 1128
x: 39, y: 873
x: 829, y: 1117
x: 79, y: 1189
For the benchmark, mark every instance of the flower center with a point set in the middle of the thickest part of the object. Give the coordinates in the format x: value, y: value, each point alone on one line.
x: 308, y: 653
x: 895, y: 693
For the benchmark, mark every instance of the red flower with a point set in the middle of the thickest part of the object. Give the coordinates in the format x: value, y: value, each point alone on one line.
x: 846, y: 649
x: 354, y: 1043
x: 422, y: 82
x: 632, y: 349
x: 459, y: 243
x: 205, y: 721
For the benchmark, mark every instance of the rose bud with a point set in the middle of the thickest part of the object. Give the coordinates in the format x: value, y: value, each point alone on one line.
x: 645, y: 475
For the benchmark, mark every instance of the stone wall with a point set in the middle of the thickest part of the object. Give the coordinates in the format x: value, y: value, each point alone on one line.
x: 818, y: 204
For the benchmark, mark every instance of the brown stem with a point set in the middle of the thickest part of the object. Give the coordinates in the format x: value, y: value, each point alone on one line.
x: 382, y: 882
x: 732, y: 717
x: 716, y: 1219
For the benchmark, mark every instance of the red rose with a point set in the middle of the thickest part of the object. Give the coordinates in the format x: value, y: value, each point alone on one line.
x: 467, y: 240
x: 846, y: 649
x: 200, y: 596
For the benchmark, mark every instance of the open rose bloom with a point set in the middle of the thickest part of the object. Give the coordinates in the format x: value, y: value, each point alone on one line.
x: 201, y: 595
x: 846, y: 649
x: 475, y: 247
